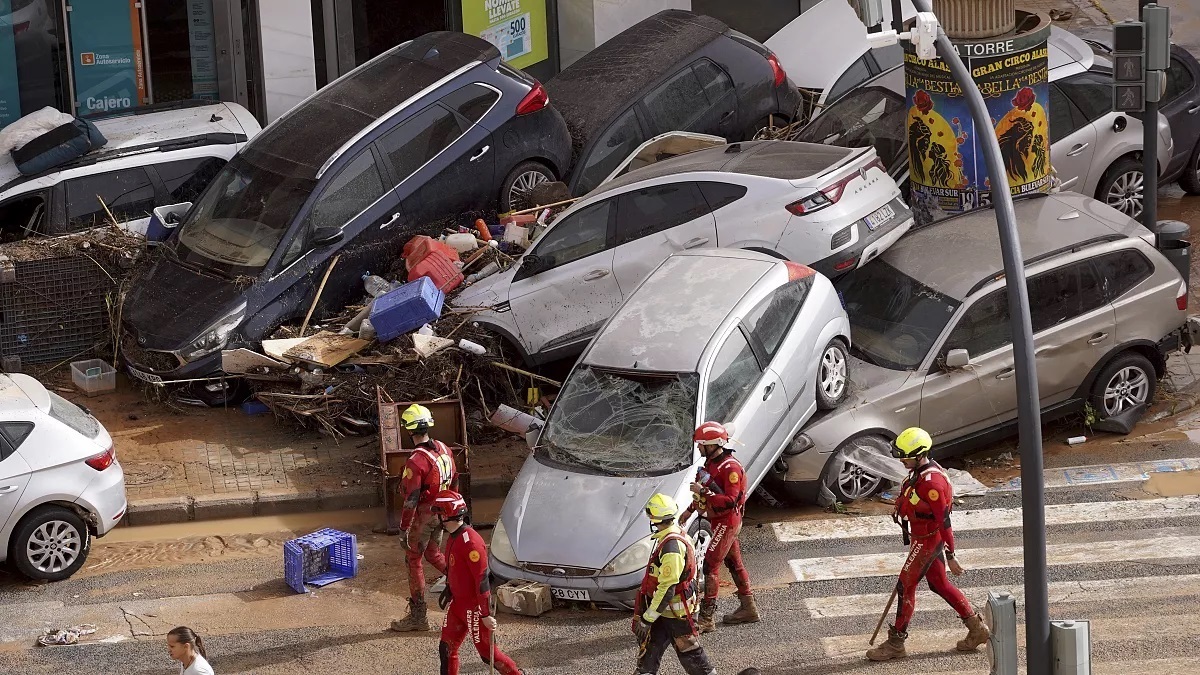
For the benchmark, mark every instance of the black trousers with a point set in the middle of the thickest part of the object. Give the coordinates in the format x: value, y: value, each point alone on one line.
x: 677, y: 633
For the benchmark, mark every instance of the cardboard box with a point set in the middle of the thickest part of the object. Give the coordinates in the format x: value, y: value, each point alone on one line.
x: 527, y: 598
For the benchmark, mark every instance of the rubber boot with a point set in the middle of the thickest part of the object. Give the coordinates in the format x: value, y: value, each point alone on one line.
x: 706, y: 624
x: 892, y: 649
x: 977, y: 634
x: 747, y: 613
x: 415, y: 621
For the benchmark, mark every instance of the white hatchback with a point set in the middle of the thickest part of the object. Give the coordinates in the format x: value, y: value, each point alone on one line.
x: 60, y: 482
x: 833, y: 210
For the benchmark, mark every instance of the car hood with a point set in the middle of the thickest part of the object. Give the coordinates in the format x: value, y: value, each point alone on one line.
x: 869, y: 382
x: 562, y: 517
x: 488, y: 291
x: 172, y: 304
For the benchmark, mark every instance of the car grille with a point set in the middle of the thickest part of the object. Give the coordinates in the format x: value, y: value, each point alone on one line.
x: 559, y: 570
x: 147, y: 359
x: 841, y: 238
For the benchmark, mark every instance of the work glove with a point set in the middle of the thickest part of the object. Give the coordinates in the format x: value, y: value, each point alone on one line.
x: 490, y: 622
x: 444, y: 598
x: 404, y: 539
x: 641, y: 629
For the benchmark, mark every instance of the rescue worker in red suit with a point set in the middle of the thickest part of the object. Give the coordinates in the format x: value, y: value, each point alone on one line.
x: 467, y: 598
x: 429, y: 470
x: 666, y: 599
x: 719, y: 494
x: 924, y: 505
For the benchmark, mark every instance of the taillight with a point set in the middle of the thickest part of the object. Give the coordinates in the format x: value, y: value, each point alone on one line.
x: 103, y: 460
x: 796, y: 271
x: 814, y: 202
x: 1181, y: 299
x: 777, y: 70
x: 535, y: 100
x: 846, y: 264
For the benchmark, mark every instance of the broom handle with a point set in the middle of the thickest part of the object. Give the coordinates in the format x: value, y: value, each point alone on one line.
x: 883, y: 616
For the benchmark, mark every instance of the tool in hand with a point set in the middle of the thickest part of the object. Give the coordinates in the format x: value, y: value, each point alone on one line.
x: 882, y: 617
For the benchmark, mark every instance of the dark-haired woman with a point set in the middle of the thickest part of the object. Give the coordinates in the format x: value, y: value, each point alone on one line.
x: 187, y: 648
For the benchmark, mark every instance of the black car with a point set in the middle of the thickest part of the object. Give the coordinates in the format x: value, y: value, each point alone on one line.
x: 432, y: 128
x: 675, y: 71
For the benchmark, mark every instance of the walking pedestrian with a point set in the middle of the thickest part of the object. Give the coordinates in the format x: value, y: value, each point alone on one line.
x: 924, y: 504
x: 719, y: 494
x: 667, y: 596
x: 467, y: 598
x: 429, y: 470
x: 184, y: 646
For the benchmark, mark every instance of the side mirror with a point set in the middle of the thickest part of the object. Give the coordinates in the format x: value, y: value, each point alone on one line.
x: 1119, y: 124
x: 531, y: 264
x: 327, y: 236
x: 957, y: 358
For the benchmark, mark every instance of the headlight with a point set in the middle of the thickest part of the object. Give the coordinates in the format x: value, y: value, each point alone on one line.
x: 631, y: 559
x: 502, y: 547
x: 216, y: 336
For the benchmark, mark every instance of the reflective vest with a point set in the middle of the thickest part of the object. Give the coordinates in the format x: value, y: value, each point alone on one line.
x: 680, y: 605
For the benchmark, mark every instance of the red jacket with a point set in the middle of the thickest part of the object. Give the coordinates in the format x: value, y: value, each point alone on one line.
x: 467, y: 571
x: 926, y: 499
x: 728, y: 483
x: 429, y: 470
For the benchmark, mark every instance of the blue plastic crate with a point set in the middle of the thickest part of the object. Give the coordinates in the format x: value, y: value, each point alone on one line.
x: 406, y: 308
x: 337, y: 552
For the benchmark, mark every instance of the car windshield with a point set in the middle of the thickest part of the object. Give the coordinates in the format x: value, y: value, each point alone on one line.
x: 621, y: 423
x: 241, y: 218
x: 873, y: 116
x: 894, y: 319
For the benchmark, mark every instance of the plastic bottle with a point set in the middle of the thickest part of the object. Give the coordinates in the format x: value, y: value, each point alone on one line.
x: 474, y: 348
x: 488, y: 270
x: 366, y: 331
x: 462, y: 242
x: 376, y: 285
x: 482, y: 227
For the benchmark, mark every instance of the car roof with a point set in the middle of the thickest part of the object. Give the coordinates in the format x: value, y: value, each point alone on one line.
x: 786, y: 160
x: 593, y: 91
x: 1046, y: 225
x: 301, y: 142
x: 18, y: 392
x: 668, y: 321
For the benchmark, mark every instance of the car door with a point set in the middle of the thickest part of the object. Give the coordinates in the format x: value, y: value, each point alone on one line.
x: 1072, y: 141
x: 610, y: 148
x: 14, y: 477
x: 699, y: 97
x: 740, y: 391
x: 128, y: 194
x: 1115, y: 133
x: 1181, y: 103
x: 1073, y: 326
x: 565, y: 288
x: 654, y: 222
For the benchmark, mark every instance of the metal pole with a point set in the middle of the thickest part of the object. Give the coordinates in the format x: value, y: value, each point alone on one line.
x: 1033, y: 499
x: 1149, y: 153
x: 897, y: 16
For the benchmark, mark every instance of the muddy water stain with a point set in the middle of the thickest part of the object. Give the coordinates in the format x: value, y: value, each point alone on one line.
x: 1173, y: 484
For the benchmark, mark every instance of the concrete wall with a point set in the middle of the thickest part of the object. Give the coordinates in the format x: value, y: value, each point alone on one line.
x: 585, y: 24
x: 289, y: 66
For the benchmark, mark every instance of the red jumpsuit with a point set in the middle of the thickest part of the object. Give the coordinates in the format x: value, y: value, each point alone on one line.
x: 467, y: 578
x: 724, y: 510
x: 429, y: 470
x: 925, y: 502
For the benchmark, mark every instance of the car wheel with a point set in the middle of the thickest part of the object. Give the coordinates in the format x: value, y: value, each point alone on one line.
x: 1121, y: 187
x: 833, y: 375
x: 1126, y: 382
x: 848, y: 481
x: 1190, y: 180
x: 52, y: 544
x: 514, y: 192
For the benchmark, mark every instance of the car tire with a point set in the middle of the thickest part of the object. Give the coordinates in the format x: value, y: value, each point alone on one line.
x: 514, y: 190
x: 1129, y: 380
x: 51, y: 544
x: 833, y: 375
x: 850, y: 482
x: 1190, y: 180
x: 1120, y: 185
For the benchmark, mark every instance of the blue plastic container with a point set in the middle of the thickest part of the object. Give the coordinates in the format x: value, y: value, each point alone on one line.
x: 407, y: 308
x: 319, y: 559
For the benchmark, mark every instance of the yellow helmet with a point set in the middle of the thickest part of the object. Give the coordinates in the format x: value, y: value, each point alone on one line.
x: 913, y: 442
x: 661, y: 509
x: 417, y: 418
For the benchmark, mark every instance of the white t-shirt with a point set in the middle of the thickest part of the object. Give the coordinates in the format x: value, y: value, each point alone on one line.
x: 199, y: 667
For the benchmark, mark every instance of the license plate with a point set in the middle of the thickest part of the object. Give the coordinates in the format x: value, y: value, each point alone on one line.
x: 570, y: 594
x: 884, y: 214
x: 145, y: 377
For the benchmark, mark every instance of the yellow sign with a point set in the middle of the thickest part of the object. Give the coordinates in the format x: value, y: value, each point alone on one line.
x: 516, y: 27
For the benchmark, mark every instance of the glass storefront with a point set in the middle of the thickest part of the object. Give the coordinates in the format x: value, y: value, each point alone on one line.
x: 33, y: 71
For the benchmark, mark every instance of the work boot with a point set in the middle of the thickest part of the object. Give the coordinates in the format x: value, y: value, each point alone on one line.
x: 892, y: 649
x: 415, y: 621
x: 977, y: 634
x: 708, y: 608
x: 747, y: 613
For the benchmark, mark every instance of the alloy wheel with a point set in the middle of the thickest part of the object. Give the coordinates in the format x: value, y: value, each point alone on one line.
x: 1125, y: 194
x: 518, y: 194
x: 1128, y: 388
x: 54, y: 546
x: 856, y: 482
x: 833, y: 372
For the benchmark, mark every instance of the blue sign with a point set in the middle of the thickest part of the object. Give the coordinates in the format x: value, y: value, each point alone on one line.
x: 106, y: 41
x: 10, y: 93
x: 204, y: 49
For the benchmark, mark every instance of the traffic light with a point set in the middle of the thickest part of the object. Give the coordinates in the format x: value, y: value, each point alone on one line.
x: 1129, y: 67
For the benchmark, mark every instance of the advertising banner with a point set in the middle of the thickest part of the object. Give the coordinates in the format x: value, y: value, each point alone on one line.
x: 203, y: 46
x: 110, y: 69
x: 517, y: 28
x: 10, y: 93
x: 947, y: 167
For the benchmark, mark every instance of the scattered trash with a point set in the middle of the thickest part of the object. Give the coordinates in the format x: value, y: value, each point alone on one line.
x: 240, y: 361
x: 474, y: 348
x: 511, y: 419
x: 277, y: 348
x: 94, y: 376
x: 377, y: 286
x: 66, y: 636
x: 1076, y: 440
x: 428, y: 345
x: 1061, y: 15
x: 1122, y: 423
x: 527, y: 598
x: 319, y: 559
x: 326, y: 349
x: 255, y: 408
x: 406, y: 308
x: 462, y: 242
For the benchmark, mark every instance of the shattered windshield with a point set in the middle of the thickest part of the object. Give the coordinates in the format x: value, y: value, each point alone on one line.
x: 894, y: 319
x: 621, y: 423
x: 241, y: 217
x: 871, y: 117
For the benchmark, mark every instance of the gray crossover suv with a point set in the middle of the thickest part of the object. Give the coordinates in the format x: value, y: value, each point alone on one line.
x: 931, y: 343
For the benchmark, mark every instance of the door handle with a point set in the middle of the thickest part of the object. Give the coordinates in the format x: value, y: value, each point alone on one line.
x: 1098, y: 338
x: 395, y: 217
x: 1194, y: 109
x: 1043, y: 350
x: 7, y: 489
x: 595, y: 274
x: 1078, y: 149
x: 1005, y: 374
x: 698, y: 241
x: 768, y: 391
x: 481, y: 153
x: 1068, y: 183
x: 725, y: 118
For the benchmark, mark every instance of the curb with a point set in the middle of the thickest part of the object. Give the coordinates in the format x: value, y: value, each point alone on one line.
x: 169, y: 510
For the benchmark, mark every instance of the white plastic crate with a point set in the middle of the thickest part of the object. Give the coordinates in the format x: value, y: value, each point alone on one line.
x: 93, y: 376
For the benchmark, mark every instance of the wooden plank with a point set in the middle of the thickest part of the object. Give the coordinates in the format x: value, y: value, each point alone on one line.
x: 382, y: 360
x: 240, y: 361
x: 326, y: 349
x: 428, y: 345
x: 276, y: 348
